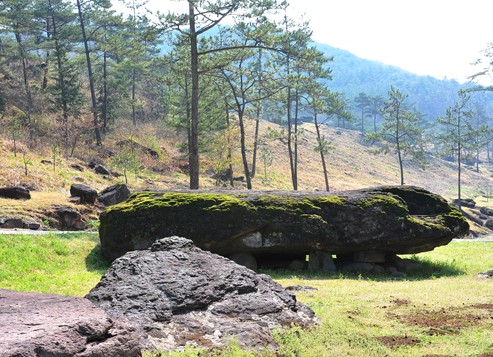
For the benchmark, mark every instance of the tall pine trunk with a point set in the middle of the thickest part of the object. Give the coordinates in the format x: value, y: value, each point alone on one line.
x: 193, y: 144
x: 97, y: 132
x: 321, y: 149
x: 27, y: 86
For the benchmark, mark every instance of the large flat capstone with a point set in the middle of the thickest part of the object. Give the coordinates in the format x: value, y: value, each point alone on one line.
x: 388, y: 220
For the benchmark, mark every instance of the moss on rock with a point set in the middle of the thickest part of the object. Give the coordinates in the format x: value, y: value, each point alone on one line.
x: 283, y: 222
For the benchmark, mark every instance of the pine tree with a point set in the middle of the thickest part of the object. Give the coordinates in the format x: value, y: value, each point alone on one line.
x: 400, y: 133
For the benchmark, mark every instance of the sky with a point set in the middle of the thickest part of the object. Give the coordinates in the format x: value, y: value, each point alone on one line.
x: 440, y: 38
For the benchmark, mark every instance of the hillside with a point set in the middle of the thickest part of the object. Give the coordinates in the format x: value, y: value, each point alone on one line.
x: 351, y: 165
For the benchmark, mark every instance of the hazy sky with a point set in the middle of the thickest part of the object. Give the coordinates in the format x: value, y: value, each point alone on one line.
x: 428, y: 37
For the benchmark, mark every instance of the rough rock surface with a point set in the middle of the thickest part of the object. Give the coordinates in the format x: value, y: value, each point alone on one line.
x: 86, y: 193
x: 101, y: 170
x: 69, y: 218
x: 114, y: 194
x: 14, y: 223
x: 179, y: 295
x: 33, y: 325
x: 388, y: 220
x: 15, y: 192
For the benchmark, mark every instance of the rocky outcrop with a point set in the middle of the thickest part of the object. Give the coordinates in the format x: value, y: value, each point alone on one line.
x: 69, y: 218
x: 15, y: 192
x: 114, y: 194
x: 33, y: 325
x: 86, y: 193
x: 179, y: 295
x: 18, y: 223
x: 279, y: 225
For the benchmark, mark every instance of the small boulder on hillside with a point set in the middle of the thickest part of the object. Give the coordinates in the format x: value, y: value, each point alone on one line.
x: 101, y: 170
x: 486, y: 211
x: 114, y: 194
x: 465, y: 202
x: 33, y: 324
x: 69, y: 219
x: 86, y: 193
x: 15, y: 192
x: 77, y: 167
x: 18, y: 223
x: 181, y: 295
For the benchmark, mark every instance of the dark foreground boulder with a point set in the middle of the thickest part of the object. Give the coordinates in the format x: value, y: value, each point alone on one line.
x: 181, y: 295
x: 33, y: 325
x: 15, y: 192
x: 268, y: 225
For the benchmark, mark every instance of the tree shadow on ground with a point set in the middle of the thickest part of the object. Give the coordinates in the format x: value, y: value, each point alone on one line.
x: 429, y: 270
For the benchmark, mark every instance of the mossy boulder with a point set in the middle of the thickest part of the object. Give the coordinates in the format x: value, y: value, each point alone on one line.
x: 394, y: 220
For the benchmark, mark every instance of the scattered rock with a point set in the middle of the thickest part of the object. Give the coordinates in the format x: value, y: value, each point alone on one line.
x: 12, y: 223
x: 486, y: 275
x: 33, y: 324
x: 77, y: 167
x: 93, y: 163
x: 321, y: 261
x: 86, y: 193
x: 465, y: 202
x: 69, y: 218
x: 224, y: 175
x: 101, y: 170
x: 181, y: 295
x: 18, y: 223
x: 486, y: 211
x: 489, y: 224
x: 15, y: 192
x: 32, y: 225
x: 114, y: 194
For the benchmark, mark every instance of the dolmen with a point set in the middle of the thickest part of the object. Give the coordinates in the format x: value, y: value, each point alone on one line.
x: 278, y: 228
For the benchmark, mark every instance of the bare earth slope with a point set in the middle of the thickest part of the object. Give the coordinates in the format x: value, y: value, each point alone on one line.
x: 351, y: 165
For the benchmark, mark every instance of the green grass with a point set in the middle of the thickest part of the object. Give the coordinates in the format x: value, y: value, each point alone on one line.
x: 443, y: 309
x: 65, y: 264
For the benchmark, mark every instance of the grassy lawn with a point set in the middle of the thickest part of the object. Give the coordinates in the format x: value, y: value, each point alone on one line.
x: 442, y: 310
x: 66, y: 264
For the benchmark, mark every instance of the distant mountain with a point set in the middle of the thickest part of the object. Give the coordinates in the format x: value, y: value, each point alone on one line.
x: 431, y: 96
